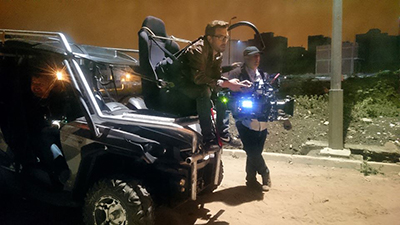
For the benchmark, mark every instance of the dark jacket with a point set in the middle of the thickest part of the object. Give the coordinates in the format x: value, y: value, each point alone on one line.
x: 199, y: 66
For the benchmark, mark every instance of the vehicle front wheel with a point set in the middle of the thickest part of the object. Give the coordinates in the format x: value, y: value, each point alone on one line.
x: 116, y: 201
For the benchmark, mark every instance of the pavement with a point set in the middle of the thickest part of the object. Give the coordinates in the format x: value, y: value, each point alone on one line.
x: 389, y: 149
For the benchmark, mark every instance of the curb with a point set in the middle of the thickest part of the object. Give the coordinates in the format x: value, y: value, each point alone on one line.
x: 386, y: 168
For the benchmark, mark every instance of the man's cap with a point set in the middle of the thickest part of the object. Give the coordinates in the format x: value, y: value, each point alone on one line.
x: 251, y: 50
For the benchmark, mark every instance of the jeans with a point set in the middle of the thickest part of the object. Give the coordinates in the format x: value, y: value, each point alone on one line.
x: 222, y: 119
x: 202, y: 95
x: 41, y: 145
x: 253, y: 144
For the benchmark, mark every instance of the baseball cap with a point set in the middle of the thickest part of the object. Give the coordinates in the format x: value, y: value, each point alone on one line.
x: 251, y: 50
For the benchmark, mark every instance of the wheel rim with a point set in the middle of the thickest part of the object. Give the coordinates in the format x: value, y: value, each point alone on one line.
x: 109, y: 211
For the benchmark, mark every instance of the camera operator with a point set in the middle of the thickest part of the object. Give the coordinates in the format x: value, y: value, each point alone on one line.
x: 201, y: 74
x: 253, y: 133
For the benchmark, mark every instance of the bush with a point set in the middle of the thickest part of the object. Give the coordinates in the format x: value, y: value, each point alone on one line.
x: 368, y: 97
x: 373, y: 96
x: 312, y: 105
x: 301, y: 86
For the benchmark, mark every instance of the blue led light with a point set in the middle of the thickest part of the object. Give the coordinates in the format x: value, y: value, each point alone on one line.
x: 247, y: 104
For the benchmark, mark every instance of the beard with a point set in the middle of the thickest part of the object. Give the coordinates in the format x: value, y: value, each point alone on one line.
x: 221, y: 48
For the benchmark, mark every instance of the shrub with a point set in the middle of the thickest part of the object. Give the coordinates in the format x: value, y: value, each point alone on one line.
x: 369, y: 97
x: 373, y: 96
x: 312, y: 105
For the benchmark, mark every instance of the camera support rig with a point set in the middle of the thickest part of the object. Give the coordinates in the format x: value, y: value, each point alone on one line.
x: 257, y: 102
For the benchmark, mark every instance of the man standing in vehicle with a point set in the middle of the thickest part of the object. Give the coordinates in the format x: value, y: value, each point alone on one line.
x: 201, y: 74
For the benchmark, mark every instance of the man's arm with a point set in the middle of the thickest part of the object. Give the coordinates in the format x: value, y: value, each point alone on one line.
x: 233, y: 84
x: 197, y: 64
x: 230, y: 68
x: 235, y: 74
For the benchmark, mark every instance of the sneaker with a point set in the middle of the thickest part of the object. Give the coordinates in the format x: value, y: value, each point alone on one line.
x: 232, y: 141
x: 266, y: 182
x: 265, y: 187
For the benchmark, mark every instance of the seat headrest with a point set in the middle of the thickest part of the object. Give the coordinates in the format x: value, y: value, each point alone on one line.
x: 156, y: 25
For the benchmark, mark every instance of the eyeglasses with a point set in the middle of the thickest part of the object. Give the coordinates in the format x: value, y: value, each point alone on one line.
x: 222, y: 37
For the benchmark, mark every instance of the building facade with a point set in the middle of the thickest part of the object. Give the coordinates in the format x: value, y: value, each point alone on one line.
x: 378, y: 51
x: 350, y: 60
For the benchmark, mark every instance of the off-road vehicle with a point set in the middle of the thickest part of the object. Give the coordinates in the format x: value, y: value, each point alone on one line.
x: 122, y: 157
x: 128, y: 138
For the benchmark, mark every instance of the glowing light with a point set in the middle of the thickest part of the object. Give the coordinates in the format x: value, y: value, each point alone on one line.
x: 59, y: 75
x: 122, y: 80
x: 224, y: 99
x: 247, y: 104
x: 128, y: 76
x: 238, y: 41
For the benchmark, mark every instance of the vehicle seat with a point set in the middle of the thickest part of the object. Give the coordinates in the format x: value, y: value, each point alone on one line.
x: 151, y: 52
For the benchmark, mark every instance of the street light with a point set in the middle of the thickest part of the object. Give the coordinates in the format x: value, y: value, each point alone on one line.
x: 229, y: 44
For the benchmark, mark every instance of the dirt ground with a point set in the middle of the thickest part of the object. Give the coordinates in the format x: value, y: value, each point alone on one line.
x: 376, y: 131
x: 300, y: 194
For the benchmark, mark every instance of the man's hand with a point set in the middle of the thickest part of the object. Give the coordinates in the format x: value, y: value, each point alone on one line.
x: 236, y: 65
x: 246, y: 82
x: 235, y: 80
x: 234, y: 85
x: 248, y: 87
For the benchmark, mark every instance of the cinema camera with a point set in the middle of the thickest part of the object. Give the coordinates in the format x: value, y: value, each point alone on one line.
x: 258, y: 102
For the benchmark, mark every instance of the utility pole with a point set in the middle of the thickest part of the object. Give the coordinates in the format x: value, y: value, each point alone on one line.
x: 336, y: 143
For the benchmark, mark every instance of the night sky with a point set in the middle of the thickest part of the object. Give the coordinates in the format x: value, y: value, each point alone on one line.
x: 115, y: 23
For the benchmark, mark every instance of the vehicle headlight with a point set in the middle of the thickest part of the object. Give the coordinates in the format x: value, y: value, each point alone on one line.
x: 59, y: 75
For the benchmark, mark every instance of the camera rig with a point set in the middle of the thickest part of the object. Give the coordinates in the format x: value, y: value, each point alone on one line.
x: 257, y: 102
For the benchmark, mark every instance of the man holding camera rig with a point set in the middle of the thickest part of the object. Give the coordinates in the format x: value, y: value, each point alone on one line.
x: 201, y: 74
x: 253, y: 133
